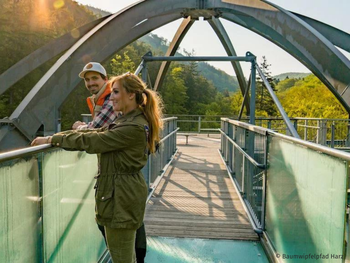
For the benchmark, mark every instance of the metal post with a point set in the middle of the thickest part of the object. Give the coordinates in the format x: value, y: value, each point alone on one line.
x: 263, y: 203
x: 278, y: 104
x: 230, y: 147
x: 321, y: 132
x: 252, y: 94
x: 296, y: 125
x: 149, y: 162
x: 144, y: 72
x: 58, y: 121
x: 333, y: 134
x: 347, y: 143
x: 243, y: 176
x: 199, y: 124
x: 305, y: 129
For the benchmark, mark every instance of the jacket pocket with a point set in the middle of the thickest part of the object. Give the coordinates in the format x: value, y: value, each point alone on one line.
x: 104, y: 204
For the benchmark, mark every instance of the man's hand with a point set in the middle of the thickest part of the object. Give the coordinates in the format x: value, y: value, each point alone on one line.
x: 77, y: 124
x: 41, y: 140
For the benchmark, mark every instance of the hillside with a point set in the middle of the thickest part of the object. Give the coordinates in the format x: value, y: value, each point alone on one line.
x: 291, y: 75
x: 220, y: 79
x: 97, y: 12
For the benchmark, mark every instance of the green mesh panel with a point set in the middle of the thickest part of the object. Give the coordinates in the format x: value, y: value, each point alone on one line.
x: 306, y: 200
x: 70, y: 230
x: 20, y: 225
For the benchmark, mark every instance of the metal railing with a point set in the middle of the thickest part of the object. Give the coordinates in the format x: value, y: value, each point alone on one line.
x: 334, y: 133
x: 158, y: 163
x: 286, y: 185
x: 47, y: 195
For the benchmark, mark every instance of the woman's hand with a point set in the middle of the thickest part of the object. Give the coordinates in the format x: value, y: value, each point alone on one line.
x: 41, y: 140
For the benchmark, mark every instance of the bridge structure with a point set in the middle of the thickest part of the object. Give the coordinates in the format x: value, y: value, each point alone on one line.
x: 305, y: 39
x: 282, y: 197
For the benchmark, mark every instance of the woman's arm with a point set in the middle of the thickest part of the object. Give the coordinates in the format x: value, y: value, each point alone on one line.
x: 98, y: 141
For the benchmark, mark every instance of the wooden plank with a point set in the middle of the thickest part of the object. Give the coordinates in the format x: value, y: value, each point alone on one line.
x: 196, y: 198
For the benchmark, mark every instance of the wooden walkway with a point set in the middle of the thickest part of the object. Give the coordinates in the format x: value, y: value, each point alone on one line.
x: 196, y: 198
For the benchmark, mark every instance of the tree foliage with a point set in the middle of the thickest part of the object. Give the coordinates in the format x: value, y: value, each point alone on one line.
x: 265, y: 105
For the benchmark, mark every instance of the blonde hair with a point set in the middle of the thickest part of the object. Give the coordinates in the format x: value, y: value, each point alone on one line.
x: 149, y: 102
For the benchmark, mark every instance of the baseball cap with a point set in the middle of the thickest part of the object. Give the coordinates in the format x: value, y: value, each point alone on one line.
x: 93, y: 66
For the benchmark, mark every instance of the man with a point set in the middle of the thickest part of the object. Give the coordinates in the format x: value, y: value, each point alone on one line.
x: 101, y: 109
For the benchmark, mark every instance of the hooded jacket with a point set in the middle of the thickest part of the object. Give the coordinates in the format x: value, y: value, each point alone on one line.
x: 121, y: 191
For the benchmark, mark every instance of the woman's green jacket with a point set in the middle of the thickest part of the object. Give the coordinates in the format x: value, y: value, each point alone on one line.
x: 121, y: 191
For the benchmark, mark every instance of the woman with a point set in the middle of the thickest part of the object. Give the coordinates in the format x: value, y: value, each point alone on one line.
x: 121, y: 191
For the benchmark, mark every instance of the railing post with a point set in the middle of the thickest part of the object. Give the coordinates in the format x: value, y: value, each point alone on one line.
x: 230, y: 147
x: 252, y: 94
x: 250, y: 138
x: 296, y: 125
x: 199, y: 124
x: 321, y: 132
x: 347, y: 143
x: 332, y: 134
x: 243, y: 177
x: 263, y: 203
x: 305, y: 129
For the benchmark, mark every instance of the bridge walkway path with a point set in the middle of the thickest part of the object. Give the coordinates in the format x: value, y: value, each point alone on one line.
x: 196, y: 198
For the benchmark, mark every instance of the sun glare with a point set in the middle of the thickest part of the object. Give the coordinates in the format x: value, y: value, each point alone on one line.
x: 41, y: 15
x: 58, y: 4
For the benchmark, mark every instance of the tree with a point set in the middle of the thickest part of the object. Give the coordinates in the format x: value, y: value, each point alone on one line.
x: 174, y: 92
x: 265, y: 105
x: 310, y: 98
x: 122, y: 64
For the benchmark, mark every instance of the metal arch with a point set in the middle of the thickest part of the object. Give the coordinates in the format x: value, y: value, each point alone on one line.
x: 220, y: 31
x: 288, y: 32
x: 336, y: 76
x: 56, y: 85
x: 174, y: 45
x: 41, y: 55
x: 338, y: 37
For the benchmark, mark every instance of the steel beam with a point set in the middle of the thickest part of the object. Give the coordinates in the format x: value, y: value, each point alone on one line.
x: 338, y: 37
x: 174, y: 45
x: 299, y: 39
x: 227, y: 44
x: 247, y: 58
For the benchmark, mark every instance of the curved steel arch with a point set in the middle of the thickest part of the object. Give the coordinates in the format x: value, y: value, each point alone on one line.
x: 174, y: 45
x: 337, y: 37
x: 270, y: 21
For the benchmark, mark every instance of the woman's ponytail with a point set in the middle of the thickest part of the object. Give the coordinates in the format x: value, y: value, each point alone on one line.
x: 153, y: 110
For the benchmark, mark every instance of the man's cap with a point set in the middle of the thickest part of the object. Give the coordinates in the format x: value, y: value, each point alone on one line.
x: 93, y: 66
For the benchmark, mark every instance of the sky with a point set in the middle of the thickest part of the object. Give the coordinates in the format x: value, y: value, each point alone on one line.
x: 334, y: 13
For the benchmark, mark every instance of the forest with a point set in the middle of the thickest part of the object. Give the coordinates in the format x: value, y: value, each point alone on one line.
x: 189, y: 88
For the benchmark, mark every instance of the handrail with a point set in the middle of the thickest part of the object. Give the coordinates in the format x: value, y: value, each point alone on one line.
x: 262, y: 166
x: 35, y: 149
x: 247, y: 126
x: 170, y: 134
x: 257, y: 118
x: 314, y: 146
x: 23, y: 152
x: 169, y: 119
